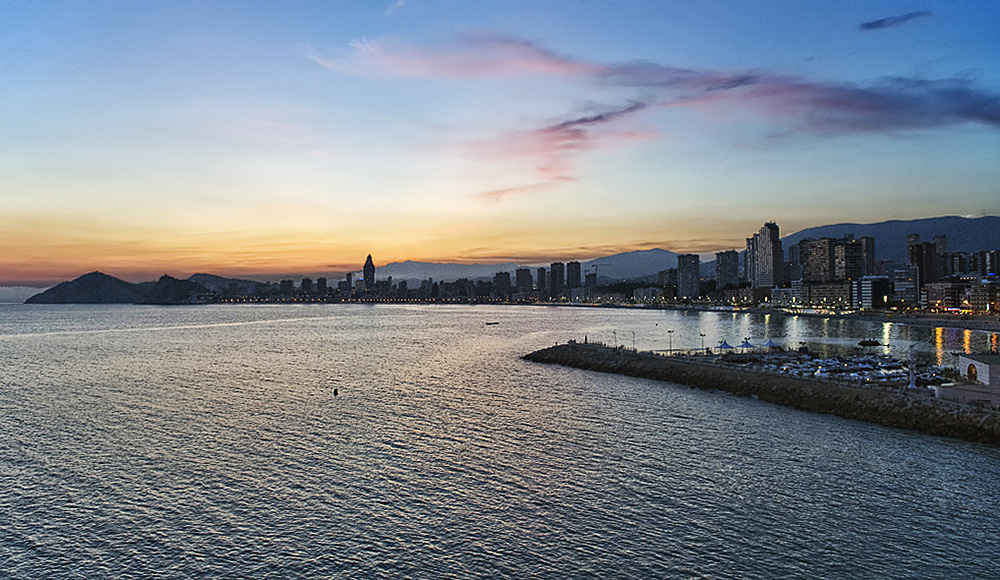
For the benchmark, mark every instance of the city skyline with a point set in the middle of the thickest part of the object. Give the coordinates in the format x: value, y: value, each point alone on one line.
x: 255, y: 139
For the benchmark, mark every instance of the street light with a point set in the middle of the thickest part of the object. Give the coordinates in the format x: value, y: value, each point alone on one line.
x: 670, y: 337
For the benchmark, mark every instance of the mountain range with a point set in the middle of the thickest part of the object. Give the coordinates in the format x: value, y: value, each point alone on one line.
x: 964, y: 234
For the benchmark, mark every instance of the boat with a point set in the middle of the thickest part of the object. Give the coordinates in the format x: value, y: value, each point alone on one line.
x: 491, y: 323
x: 869, y: 342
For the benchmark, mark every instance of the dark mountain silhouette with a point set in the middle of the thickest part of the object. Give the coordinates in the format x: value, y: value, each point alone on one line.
x: 170, y: 290
x: 963, y: 234
x: 632, y: 265
x: 411, y: 270
x: 92, y: 288
x: 228, y: 286
x: 628, y: 265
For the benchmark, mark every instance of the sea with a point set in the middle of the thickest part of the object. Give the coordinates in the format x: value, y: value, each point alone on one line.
x: 411, y: 441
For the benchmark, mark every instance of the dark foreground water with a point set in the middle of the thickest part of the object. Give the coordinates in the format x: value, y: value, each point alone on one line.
x: 207, y: 442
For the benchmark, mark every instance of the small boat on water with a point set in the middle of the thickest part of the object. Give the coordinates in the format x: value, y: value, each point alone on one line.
x: 869, y: 342
x: 492, y: 322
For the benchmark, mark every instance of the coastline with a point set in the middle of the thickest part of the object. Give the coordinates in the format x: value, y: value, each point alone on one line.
x: 933, y: 320
x: 888, y: 407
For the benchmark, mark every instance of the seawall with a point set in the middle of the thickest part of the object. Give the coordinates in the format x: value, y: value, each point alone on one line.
x: 893, y: 408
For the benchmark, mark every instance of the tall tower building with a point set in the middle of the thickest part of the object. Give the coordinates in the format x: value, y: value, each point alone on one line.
x: 573, y: 275
x: 369, y: 273
x: 927, y: 256
x: 540, y: 280
x: 501, y: 282
x: 688, y: 276
x: 557, y: 276
x: 727, y: 269
x: 764, y: 258
x: 522, y: 279
x: 818, y: 259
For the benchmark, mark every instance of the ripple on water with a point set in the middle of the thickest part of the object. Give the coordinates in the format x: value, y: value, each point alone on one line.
x: 207, y: 443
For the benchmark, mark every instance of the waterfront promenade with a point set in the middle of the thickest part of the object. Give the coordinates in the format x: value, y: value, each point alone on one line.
x: 892, y: 407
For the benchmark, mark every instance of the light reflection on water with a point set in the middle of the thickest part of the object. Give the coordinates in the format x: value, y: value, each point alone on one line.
x: 207, y: 442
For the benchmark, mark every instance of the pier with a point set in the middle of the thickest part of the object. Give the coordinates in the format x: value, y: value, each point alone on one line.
x: 912, y: 409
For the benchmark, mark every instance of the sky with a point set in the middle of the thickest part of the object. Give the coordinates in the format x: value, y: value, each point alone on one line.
x: 262, y: 139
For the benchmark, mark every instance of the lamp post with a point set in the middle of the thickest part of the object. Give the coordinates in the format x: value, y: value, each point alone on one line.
x: 670, y: 337
x: 633, y: 340
x: 615, y: 334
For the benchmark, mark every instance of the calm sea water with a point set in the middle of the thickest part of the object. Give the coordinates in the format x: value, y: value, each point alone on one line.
x: 207, y: 442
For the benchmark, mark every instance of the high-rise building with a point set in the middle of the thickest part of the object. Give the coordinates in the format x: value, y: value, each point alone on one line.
x: 522, y: 279
x: 906, y: 283
x: 928, y: 257
x: 817, y: 260
x: 829, y: 259
x: 307, y: 286
x: 764, y: 258
x: 573, y: 275
x: 688, y: 276
x: 727, y: 269
x: 321, y: 285
x: 557, y: 276
x: 871, y: 292
x: 369, y: 273
x: 501, y: 282
x: 541, y: 279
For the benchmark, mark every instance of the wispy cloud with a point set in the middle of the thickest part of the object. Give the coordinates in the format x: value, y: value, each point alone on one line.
x: 792, y: 103
x: 469, y: 55
x: 826, y: 107
x: 395, y: 6
x: 891, y: 21
x: 551, y: 146
x: 553, y: 149
x: 886, y: 106
x: 498, y: 194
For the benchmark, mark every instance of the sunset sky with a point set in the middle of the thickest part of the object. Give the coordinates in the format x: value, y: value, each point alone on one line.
x: 260, y: 139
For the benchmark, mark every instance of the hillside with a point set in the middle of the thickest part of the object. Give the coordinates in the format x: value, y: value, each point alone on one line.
x: 92, y: 288
x: 963, y: 234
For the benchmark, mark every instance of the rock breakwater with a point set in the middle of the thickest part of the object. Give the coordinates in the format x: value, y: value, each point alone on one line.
x: 892, y: 408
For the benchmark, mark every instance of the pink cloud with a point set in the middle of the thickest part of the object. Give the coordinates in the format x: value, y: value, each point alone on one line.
x: 555, y: 142
x: 498, y: 194
x: 825, y: 107
x: 552, y: 149
x: 477, y: 55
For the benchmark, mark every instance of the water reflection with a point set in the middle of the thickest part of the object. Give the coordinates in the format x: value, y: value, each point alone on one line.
x: 823, y: 336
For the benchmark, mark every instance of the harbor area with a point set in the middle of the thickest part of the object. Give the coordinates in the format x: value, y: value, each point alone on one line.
x: 872, y: 388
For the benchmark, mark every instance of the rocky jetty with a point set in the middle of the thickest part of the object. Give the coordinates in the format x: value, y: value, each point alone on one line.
x: 892, y: 408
